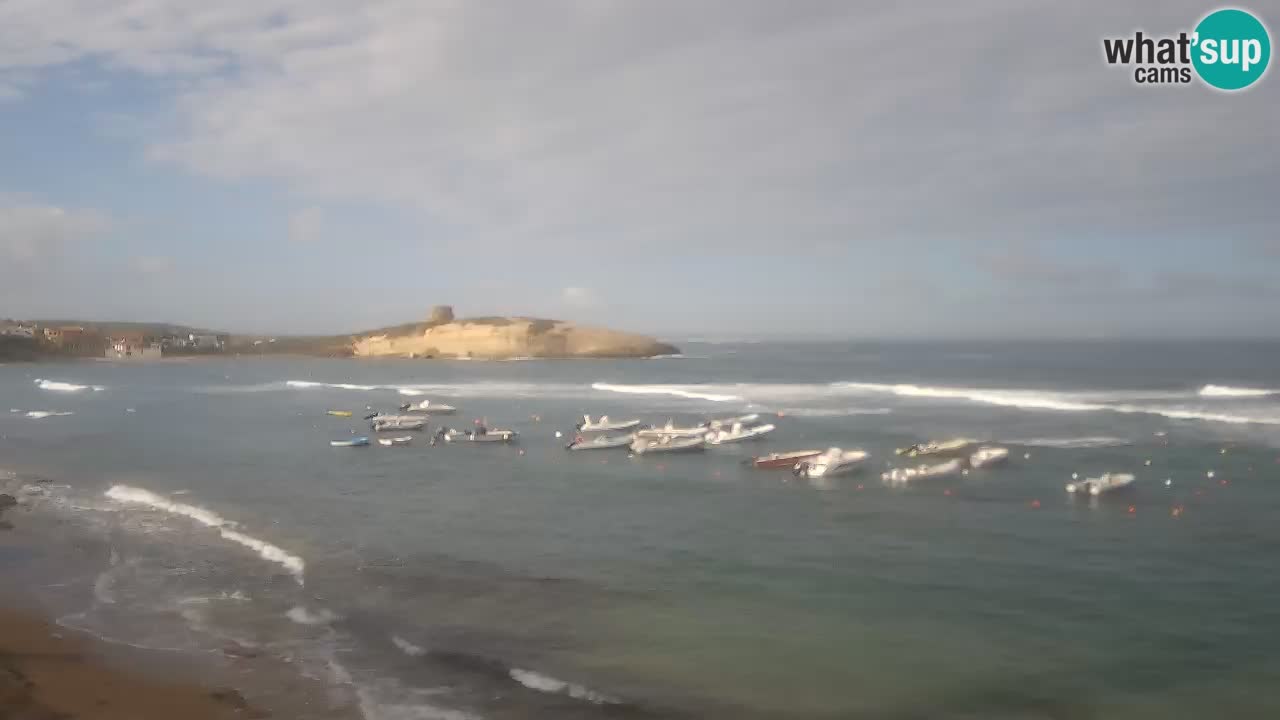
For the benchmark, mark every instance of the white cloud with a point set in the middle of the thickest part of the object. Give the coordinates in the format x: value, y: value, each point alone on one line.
x: 749, y: 124
x: 578, y: 296
x: 32, y: 232
x: 305, y: 225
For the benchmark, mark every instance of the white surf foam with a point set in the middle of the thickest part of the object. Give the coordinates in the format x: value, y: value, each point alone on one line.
x: 548, y: 684
x: 410, y: 392
x: 59, y: 386
x: 1228, y: 391
x: 407, y: 647
x: 337, y: 386
x: 140, y: 496
x: 833, y: 412
x: 688, y: 392
x: 303, y: 616
x: 1068, y: 443
x: 42, y: 414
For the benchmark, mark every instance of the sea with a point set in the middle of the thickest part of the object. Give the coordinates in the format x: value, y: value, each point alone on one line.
x: 196, y: 506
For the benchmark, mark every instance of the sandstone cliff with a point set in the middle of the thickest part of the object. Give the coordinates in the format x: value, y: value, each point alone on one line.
x: 502, y: 338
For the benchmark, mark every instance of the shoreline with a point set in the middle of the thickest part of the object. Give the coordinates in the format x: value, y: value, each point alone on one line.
x: 52, y: 671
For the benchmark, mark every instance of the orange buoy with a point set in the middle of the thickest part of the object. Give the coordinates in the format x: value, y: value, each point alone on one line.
x: 1035, y: 503
x: 1132, y: 509
x: 859, y: 486
x: 947, y: 492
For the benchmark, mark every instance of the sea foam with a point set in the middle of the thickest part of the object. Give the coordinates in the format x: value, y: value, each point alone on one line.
x: 59, y: 386
x: 688, y: 392
x: 140, y: 496
x: 1228, y: 391
x: 548, y: 684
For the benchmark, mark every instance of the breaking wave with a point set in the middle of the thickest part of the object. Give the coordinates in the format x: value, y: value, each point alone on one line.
x: 303, y: 616
x: 1227, y: 391
x: 688, y: 392
x: 338, y: 386
x: 1069, y: 443
x: 138, y: 496
x: 548, y: 684
x: 59, y: 386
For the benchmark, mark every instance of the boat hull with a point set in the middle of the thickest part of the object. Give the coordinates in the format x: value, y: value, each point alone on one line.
x: 783, y: 461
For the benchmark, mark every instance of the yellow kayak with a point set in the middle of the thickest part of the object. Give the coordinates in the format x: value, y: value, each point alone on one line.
x: 339, y: 413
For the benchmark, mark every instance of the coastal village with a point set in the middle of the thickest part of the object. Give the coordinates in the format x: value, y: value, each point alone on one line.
x: 112, y: 343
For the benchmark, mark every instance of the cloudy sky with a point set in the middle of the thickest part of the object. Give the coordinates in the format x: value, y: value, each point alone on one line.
x: 681, y: 167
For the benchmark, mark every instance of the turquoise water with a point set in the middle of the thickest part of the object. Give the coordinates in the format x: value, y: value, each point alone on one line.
x: 525, y: 581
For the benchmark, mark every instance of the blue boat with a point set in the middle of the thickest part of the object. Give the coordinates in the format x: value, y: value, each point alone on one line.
x: 353, y: 442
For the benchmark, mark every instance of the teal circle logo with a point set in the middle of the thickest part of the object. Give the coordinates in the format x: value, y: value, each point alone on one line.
x: 1232, y: 49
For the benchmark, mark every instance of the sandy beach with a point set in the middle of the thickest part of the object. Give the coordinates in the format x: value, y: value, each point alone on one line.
x: 47, y: 672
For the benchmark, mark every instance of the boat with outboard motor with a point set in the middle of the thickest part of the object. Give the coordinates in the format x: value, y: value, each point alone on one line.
x: 353, y: 442
x: 381, y: 423
x: 600, y: 442
x: 922, y: 472
x: 737, y: 433
x: 835, y: 461
x: 780, y: 460
x: 641, y: 446
x: 1105, y: 483
x: 604, y: 425
x: 988, y: 455
x: 428, y: 407
x: 394, y: 441
x: 943, y: 447
x: 671, y: 431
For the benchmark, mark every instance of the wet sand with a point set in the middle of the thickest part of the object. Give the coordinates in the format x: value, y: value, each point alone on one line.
x: 47, y: 672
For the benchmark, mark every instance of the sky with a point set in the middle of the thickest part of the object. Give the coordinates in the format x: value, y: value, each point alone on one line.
x: 730, y: 168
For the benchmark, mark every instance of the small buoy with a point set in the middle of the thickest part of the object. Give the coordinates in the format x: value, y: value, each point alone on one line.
x: 1146, y: 462
x: 1075, y: 476
x: 1035, y: 503
x: 962, y: 472
x: 1132, y: 509
x: 1223, y: 482
x: 1209, y: 474
x: 716, y: 474
x: 781, y: 414
x: 521, y: 451
x: 859, y: 486
x: 1026, y: 456
x: 559, y: 434
x: 947, y: 492
x: 1168, y: 482
x: 1223, y: 451
x: 1176, y: 511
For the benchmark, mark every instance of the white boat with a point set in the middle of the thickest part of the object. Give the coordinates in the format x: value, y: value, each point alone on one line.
x: 426, y: 406
x: 737, y: 433
x: 731, y: 421
x: 988, y: 455
x: 1105, y: 483
x: 922, y: 472
x: 353, y: 442
x: 935, y: 447
x: 671, y: 431
x: 603, y: 425
x: 831, y: 463
x: 492, y: 436
x: 402, y: 440
x: 398, y: 422
x: 642, y: 446
x: 600, y: 442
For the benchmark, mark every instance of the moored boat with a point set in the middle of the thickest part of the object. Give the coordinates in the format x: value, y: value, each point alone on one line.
x: 429, y: 407
x: 604, y: 425
x: 492, y: 435
x: 731, y: 421
x: 988, y: 455
x: 600, y: 442
x: 1105, y: 483
x: 922, y: 472
x: 737, y: 433
x: 835, y: 461
x: 943, y: 447
x: 643, y: 446
x: 389, y: 442
x: 338, y: 413
x: 382, y: 423
x: 786, y: 460
x: 671, y: 431
x: 352, y: 442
